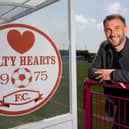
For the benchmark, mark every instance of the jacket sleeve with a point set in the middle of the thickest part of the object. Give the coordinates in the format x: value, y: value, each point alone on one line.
x: 96, y: 64
x: 120, y: 76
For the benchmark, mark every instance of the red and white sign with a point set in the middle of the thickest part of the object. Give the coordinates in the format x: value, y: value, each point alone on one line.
x: 30, y: 69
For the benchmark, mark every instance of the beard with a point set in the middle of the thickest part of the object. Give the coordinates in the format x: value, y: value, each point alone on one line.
x: 116, y: 41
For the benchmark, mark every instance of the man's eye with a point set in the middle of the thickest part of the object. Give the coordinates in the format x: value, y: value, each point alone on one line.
x: 117, y: 28
x: 108, y: 30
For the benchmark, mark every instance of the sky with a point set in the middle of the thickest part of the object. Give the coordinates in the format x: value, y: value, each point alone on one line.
x: 88, y: 16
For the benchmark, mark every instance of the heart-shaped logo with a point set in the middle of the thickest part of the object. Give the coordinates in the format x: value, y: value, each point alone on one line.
x: 20, y: 42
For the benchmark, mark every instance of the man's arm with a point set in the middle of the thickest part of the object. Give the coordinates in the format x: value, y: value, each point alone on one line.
x: 96, y: 65
x: 106, y: 75
x: 120, y: 76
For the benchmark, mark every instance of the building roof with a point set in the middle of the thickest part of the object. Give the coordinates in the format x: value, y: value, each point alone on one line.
x: 11, y: 10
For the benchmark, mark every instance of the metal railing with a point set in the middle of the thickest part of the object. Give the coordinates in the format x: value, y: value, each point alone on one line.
x: 104, y: 111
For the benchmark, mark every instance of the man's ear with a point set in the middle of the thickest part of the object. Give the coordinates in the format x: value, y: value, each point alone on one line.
x: 126, y: 28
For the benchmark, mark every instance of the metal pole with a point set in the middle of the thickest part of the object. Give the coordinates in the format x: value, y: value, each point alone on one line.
x: 72, y: 61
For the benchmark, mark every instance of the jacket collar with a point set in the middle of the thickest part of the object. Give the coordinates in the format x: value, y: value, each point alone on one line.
x: 125, y: 50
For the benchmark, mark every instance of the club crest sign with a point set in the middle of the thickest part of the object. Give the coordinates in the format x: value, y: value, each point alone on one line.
x: 30, y: 69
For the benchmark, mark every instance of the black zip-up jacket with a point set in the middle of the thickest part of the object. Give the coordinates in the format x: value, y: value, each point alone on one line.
x: 104, y: 60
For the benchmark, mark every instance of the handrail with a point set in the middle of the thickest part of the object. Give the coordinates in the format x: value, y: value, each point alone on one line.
x: 91, y: 82
x: 87, y: 107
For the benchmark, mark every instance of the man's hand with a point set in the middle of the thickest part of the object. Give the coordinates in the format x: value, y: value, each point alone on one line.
x: 121, y: 84
x: 104, y: 74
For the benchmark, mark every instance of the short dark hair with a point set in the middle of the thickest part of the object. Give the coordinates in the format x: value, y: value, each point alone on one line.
x: 114, y: 16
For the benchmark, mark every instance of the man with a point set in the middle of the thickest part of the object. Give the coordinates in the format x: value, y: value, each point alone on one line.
x: 111, y: 64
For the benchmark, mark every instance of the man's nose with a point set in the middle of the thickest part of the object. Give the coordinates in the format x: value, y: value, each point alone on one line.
x: 113, y: 33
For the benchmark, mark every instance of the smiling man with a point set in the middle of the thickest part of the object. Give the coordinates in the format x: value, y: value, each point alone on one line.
x: 111, y: 64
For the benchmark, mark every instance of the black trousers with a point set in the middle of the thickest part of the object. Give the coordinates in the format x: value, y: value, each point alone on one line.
x: 122, y: 115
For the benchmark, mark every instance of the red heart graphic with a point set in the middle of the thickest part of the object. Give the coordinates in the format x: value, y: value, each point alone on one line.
x: 20, y: 43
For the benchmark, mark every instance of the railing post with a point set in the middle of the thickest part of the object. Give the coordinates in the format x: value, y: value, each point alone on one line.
x: 87, y: 109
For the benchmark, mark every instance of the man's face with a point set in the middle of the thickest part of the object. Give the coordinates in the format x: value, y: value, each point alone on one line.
x: 115, y: 31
